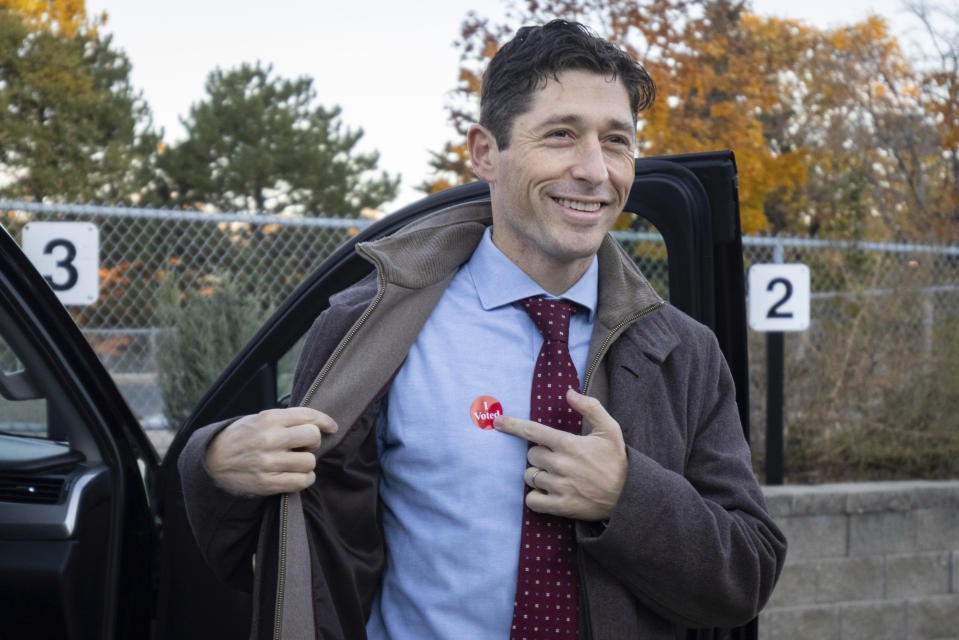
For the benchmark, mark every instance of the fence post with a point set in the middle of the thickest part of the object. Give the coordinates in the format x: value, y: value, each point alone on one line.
x: 775, y: 368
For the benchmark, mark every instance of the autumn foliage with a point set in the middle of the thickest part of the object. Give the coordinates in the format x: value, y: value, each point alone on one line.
x: 66, y: 17
x: 835, y: 132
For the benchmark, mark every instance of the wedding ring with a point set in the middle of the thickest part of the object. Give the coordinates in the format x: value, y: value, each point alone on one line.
x: 532, y: 480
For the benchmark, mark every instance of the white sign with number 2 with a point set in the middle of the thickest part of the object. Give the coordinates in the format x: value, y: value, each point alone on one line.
x: 67, y: 255
x: 779, y: 297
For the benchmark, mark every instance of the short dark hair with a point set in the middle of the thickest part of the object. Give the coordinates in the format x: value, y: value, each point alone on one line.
x: 536, y: 54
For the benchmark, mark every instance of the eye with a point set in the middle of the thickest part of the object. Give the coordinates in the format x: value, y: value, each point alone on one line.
x: 617, y: 139
x: 559, y: 133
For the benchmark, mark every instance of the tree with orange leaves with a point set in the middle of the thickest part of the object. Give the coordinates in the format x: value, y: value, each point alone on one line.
x: 65, y: 17
x: 940, y: 95
x: 720, y: 88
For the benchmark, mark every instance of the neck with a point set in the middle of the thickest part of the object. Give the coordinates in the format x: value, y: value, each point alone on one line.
x: 554, y: 276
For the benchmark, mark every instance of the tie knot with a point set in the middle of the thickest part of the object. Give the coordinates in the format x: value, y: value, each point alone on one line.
x: 551, y: 317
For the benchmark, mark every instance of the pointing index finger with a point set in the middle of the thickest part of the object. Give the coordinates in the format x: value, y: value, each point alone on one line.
x: 530, y: 430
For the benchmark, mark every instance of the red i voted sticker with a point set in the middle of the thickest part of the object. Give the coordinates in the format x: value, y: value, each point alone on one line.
x: 484, y: 409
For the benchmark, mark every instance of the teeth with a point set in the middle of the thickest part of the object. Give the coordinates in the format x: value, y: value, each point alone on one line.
x: 580, y: 206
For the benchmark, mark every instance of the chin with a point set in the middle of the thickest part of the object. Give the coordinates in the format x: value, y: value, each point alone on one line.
x: 579, y: 251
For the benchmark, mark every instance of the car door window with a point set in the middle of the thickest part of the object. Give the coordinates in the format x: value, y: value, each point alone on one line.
x: 285, y: 368
x: 31, y: 403
x: 21, y: 411
x: 647, y: 247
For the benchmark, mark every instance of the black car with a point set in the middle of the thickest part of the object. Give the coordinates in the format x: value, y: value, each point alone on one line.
x: 94, y: 541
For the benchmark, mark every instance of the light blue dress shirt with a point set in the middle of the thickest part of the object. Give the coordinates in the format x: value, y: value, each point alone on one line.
x: 452, y: 493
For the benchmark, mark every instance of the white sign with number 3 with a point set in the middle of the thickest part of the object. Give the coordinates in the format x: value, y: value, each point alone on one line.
x: 779, y: 297
x: 67, y: 255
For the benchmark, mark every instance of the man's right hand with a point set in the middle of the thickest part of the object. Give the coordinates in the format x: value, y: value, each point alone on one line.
x: 268, y: 452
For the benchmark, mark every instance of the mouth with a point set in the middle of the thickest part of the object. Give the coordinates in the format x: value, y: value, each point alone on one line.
x: 580, y: 205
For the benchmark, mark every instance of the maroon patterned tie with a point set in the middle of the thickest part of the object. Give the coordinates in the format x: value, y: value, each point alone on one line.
x: 546, y: 586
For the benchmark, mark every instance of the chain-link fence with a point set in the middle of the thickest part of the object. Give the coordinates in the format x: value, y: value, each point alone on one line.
x: 141, y: 250
x: 872, y: 387
x: 884, y: 316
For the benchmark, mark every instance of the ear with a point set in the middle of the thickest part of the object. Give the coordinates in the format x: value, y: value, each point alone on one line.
x: 483, y: 152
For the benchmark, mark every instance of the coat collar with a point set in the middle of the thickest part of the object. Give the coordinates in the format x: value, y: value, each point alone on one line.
x: 432, y: 248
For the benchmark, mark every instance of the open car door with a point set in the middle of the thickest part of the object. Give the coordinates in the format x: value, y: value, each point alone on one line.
x: 111, y: 552
x: 77, y: 534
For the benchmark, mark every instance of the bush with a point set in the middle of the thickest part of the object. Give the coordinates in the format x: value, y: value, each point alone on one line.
x: 206, y: 329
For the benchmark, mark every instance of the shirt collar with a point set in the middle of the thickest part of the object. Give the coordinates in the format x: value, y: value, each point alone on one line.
x: 500, y: 282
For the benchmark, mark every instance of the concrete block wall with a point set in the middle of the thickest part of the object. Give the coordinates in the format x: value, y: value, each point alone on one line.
x: 866, y: 561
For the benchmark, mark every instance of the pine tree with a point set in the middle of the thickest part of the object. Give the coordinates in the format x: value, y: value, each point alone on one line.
x: 71, y: 125
x: 259, y: 143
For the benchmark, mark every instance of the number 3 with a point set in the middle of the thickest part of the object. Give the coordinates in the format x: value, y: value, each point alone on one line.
x: 66, y: 264
x: 774, y: 311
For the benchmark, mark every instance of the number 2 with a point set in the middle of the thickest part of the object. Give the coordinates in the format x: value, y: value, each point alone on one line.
x: 774, y: 311
x: 66, y: 264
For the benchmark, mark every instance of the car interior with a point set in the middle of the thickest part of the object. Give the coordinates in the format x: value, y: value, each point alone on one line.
x: 56, y: 499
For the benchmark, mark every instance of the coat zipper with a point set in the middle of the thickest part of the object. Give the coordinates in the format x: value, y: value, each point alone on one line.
x: 281, y: 571
x: 349, y: 336
x: 584, y: 601
x: 285, y: 498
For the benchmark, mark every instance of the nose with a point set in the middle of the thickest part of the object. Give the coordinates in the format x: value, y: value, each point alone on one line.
x: 590, y: 163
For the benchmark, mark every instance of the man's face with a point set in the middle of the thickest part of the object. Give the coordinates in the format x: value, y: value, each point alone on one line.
x: 563, y: 180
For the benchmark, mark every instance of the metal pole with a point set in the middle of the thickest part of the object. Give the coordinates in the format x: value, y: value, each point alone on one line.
x: 774, y: 393
x: 774, y: 407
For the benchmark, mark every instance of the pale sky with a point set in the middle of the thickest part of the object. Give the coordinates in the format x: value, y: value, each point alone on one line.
x: 388, y: 64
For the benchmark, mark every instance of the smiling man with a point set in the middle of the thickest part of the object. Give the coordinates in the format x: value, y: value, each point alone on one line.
x: 504, y: 431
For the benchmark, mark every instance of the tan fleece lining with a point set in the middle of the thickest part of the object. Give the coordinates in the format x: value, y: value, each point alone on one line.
x: 357, y: 368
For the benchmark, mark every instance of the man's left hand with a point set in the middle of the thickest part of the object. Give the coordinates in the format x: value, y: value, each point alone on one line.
x: 572, y: 475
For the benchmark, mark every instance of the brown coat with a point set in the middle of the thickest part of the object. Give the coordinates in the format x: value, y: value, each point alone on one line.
x: 689, y: 544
